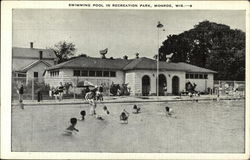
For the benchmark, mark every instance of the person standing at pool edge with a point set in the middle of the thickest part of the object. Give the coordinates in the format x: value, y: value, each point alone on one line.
x: 20, y: 93
x: 101, y: 92
x: 91, y: 98
x: 60, y: 90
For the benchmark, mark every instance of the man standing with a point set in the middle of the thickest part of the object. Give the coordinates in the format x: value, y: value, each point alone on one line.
x: 101, y: 92
x: 165, y: 88
x: 60, y: 90
x: 20, y: 93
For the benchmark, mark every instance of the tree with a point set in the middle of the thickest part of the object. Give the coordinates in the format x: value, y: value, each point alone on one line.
x: 64, y: 50
x: 209, y: 45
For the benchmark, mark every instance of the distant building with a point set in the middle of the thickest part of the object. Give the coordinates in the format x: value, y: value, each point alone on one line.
x: 31, y: 62
x: 139, y: 74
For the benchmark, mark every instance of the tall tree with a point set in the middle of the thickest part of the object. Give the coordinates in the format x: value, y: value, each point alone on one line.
x: 64, y: 50
x: 210, y: 45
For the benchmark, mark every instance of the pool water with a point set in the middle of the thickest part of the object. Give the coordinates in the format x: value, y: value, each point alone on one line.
x: 198, y: 127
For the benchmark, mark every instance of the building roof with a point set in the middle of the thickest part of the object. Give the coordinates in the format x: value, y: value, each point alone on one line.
x: 142, y: 63
x: 25, y: 58
x: 18, y: 63
x: 150, y: 64
x: 32, y: 53
x: 91, y: 62
x: 193, y: 68
x: 26, y: 68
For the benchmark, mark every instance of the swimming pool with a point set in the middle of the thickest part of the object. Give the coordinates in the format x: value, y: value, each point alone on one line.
x: 199, y: 127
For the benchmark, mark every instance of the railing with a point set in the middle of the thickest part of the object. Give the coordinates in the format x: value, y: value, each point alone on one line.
x: 74, y: 87
x: 229, y: 87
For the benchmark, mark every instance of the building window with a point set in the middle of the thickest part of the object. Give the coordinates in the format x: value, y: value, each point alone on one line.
x: 205, y: 76
x: 112, y: 74
x: 85, y: 73
x: 98, y: 73
x: 92, y: 73
x: 54, y: 73
x: 35, y: 74
x: 191, y: 76
x: 106, y: 74
x: 21, y: 75
x: 196, y: 76
x: 76, y: 73
x: 200, y: 76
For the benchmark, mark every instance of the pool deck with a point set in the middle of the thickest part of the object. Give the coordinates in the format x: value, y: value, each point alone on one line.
x: 129, y: 99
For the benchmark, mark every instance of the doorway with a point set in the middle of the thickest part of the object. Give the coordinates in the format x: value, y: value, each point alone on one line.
x: 162, y: 84
x: 145, y: 85
x: 175, y: 85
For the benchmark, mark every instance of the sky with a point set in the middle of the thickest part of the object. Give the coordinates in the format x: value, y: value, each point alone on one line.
x: 123, y: 32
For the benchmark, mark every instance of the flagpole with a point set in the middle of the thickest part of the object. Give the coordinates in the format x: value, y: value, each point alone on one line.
x: 157, y: 67
x: 158, y: 55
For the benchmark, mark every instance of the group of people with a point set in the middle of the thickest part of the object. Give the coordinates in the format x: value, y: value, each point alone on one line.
x: 97, y: 93
x: 123, y: 118
x: 57, y: 92
x: 91, y: 98
x: 120, y: 90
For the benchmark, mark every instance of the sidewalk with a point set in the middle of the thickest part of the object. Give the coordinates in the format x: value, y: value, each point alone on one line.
x: 128, y: 99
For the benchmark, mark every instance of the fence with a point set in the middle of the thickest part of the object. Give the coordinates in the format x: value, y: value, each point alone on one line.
x: 31, y: 88
x: 73, y: 87
x: 235, y: 88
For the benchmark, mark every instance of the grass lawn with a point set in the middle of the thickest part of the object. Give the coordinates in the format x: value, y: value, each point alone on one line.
x: 200, y: 127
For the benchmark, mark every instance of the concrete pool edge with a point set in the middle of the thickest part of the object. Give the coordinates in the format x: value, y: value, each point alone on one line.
x: 126, y: 101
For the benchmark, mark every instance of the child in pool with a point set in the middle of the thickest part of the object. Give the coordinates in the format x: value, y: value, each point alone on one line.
x: 124, y: 116
x: 136, y: 109
x: 106, y: 109
x: 83, y: 113
x: 169, y: 111
x: 71, y: 128
x: 100, y: 117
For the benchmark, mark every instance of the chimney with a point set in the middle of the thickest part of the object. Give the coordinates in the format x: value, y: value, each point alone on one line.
x: 137, y: 55
x: 83, y: 55
x: 56, y: 61
x: 31, y: 44
x: 125, y: 57
x: 40, y: 54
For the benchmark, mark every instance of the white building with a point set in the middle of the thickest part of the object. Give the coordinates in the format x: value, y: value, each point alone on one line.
x: 31, y: 62
x: 139, y: 74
